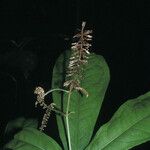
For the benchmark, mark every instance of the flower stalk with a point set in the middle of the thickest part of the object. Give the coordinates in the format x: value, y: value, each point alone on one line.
x: 78, y: 59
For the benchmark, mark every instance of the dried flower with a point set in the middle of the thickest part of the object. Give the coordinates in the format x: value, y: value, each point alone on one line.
x: 79, y: 57
x: 39, y: 91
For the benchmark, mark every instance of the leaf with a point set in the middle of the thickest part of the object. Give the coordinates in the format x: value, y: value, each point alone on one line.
x: 129, y: 127
x: 20, y: 123
x: 32, y: 139
x: 82, y: 122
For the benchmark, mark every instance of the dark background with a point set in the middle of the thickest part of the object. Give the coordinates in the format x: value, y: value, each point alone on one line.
x: 33, y: 34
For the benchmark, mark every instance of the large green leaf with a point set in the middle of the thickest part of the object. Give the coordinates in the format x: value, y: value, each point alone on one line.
x: 32, y: 139
x: 130, y: 126
x: 95, y: 81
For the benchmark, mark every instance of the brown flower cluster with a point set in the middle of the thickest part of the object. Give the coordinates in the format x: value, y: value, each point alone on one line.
x: 79, y: 57
x: 39, y: 91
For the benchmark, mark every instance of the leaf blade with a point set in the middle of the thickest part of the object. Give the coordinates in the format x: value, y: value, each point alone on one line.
x: 128, y: 127
x: 33, y: 139
x: 96, y: 75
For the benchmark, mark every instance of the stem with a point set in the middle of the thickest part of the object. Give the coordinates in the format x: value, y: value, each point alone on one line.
x: 59, y: 112
x: 67, y: 121
x: 55, y: 90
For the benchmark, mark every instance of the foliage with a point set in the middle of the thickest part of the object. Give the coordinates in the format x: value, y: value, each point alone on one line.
x: 128, y: 127
x: 79, y: 83
x: 30, y: 138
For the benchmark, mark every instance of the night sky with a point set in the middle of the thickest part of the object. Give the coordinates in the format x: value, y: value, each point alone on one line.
x: 34, y: 33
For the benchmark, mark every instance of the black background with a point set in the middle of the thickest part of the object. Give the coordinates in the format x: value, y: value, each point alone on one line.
x: 120, y: 33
